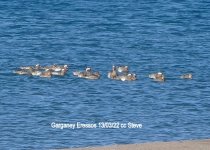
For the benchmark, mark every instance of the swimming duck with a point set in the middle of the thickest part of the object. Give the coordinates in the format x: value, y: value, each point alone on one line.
x: 59, y: 73
x: 186, y: 76
x: 93, y: 76
x: 157, y: 76
x: 122, y: 69
x: 128, y: 77
x: 113, y: 73
x: 87, y: 74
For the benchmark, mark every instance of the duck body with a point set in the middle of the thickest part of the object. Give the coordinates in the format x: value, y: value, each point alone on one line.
x: 157, y: 76
x: 62, y: 72
x: 93, y: 76
x: 128, y: 77
x: 58, y: 73
x: 87, y: 74
x: 186, y: 76
x: 113, y: 73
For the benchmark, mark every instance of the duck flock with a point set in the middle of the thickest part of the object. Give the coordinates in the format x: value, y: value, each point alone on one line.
x: 117, y: 73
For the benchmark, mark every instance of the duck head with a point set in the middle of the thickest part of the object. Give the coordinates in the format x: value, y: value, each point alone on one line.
x: 88, y: 69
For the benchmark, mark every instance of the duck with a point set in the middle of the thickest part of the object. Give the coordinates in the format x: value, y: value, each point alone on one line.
x: 122, y: 69
x: 113, y: 73
x: 157, y: 76
x: 186, y: 76
x: 128, y: 77
x: 93, y: 76
x: 87, y: 74
x: 59, y: 73
x: 79, y: 74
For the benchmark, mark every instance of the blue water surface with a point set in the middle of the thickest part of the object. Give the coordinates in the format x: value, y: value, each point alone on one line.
x: 171, y: 36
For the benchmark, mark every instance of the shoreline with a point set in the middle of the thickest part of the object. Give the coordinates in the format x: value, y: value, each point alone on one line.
x: 175, y: 145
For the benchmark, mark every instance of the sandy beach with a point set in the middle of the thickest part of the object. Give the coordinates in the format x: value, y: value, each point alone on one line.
x: 177, y: 145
